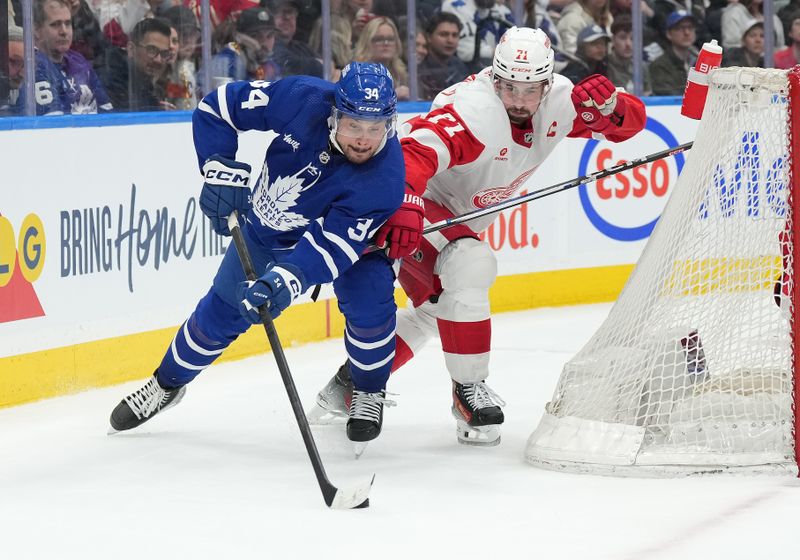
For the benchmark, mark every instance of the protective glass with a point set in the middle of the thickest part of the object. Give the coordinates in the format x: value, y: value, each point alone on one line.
x: 349, y: 126
x: 383, y: 40
x: 152, y: 52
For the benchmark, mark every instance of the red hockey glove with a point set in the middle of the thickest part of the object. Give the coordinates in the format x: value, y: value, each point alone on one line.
x: 402, y: 232
x: 596, y: 102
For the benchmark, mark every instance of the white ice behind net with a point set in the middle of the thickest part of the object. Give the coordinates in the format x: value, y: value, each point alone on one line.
x: 691, y: 371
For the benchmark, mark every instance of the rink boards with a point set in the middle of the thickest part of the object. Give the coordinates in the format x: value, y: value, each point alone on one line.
x: 104, y: 250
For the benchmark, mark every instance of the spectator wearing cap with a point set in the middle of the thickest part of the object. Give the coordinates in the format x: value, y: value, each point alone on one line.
x: 669, y: 71
x: 697, y: 8
x: 483, y: 22
x: 751, y: 51
x: 294, y: 57
x: 131, y: 75
x: 441, y: 67
x: 590, y: 56
x: 620, y: 56
x: 285, y: 13
x: 249, y: 55
x: 788, y: 57
x: 736, y: 18
x: 579, y: 15
x: 180, y: 78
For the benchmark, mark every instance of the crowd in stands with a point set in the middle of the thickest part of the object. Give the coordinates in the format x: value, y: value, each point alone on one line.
x: 94, y: 56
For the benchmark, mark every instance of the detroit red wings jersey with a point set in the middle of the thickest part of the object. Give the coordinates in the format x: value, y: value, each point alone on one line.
x: 465, y: 154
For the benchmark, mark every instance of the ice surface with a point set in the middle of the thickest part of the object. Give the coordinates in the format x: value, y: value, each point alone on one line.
x: 225, y: 474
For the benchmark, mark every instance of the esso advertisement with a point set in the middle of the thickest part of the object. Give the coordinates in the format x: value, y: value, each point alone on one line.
x: 626, y: 206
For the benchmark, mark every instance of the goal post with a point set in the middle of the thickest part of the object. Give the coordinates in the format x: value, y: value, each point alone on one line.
x: 793, y: 124
x: 693, y: 371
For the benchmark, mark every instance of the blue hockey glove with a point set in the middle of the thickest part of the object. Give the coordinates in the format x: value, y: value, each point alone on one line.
x: 277, y: 289
x: 224, y: 191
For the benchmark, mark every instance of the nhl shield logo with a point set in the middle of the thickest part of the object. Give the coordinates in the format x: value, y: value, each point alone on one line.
x: 324, y: 158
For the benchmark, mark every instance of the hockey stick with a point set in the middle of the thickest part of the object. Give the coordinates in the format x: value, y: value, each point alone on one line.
x: 337, y: 498
x: 553, y: 189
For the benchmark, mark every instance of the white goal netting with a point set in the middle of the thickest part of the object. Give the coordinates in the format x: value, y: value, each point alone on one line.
x: 692, y: 371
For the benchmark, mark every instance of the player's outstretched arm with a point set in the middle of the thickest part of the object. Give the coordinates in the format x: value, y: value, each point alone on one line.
x: 602, y: 109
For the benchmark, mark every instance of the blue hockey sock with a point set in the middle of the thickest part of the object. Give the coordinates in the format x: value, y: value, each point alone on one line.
x: 189, y: 354
x: 370, y: 352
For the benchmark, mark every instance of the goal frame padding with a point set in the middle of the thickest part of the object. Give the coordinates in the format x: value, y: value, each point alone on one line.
x: 794, y: 195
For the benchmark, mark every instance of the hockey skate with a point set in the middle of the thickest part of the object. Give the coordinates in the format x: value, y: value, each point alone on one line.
x: 366, y: 418
x: 333, y: 401
x: 141, y: 405
x: 476, y: 408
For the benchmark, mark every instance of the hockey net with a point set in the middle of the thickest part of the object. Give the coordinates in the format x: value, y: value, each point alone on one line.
x: 693, y: 370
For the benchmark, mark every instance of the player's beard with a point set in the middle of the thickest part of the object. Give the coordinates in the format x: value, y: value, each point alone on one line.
x: 519, y: 115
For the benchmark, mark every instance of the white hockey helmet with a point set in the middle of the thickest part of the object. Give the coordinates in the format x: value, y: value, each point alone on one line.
x: 524, y: 55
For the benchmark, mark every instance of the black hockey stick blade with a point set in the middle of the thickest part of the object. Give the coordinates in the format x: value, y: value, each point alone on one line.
x: 336, y: 498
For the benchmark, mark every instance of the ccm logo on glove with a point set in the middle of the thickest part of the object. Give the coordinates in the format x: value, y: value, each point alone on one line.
x: 218, y: 173
x: 225, y: 190
x: 276, y: 290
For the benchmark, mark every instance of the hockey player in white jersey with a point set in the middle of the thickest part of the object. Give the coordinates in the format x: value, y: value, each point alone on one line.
x: 478, y: 144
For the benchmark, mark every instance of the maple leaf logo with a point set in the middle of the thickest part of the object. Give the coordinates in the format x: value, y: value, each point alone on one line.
x: 274, y: 202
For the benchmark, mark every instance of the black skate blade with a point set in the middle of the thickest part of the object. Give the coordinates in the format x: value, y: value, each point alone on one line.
x: 354, y: 497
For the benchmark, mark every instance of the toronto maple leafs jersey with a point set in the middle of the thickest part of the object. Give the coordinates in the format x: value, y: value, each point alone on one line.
x: 309, y: 200
x: 68, y: 87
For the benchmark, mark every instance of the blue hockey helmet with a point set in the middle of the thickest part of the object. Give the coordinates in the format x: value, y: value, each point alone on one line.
x: 366, y: 91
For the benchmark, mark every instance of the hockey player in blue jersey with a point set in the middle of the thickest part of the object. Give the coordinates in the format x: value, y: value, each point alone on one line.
x: 332, y: 176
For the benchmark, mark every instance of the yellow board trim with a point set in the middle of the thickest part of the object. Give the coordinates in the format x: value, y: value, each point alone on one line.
x: 60, y: 371
x: 704, y: 276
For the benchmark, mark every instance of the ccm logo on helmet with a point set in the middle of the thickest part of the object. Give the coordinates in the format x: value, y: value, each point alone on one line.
x: 369, y: 109
x: 521, y: 70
